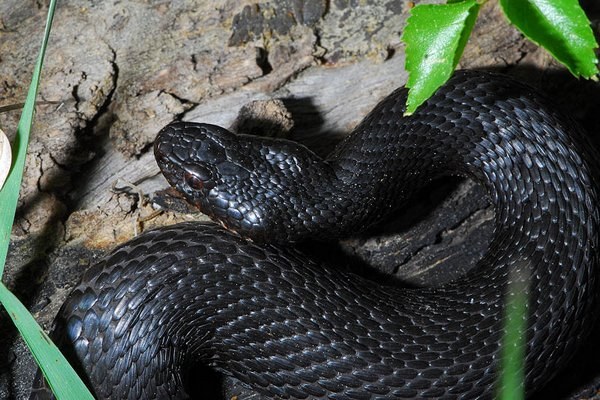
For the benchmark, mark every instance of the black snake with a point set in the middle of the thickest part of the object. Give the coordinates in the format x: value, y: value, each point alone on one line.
x: 292, y: 328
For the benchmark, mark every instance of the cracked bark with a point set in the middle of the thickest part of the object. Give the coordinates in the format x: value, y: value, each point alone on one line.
x: 115, y: 74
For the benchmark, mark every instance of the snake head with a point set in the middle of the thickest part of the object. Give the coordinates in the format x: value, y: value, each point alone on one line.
x: 197, y: 160
x: 216, y: 171
x: 187, y: 155
x: 243, y: 181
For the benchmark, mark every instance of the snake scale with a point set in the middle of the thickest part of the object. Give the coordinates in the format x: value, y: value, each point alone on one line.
x: 293, y: 328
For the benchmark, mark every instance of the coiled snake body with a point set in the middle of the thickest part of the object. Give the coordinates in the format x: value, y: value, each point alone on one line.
x: 292, y: 328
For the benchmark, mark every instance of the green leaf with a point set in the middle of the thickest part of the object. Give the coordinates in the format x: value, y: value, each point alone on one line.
x: 62, y: 378
x: 435, y: 36
x: 561, y: 27
x: 60, y: 375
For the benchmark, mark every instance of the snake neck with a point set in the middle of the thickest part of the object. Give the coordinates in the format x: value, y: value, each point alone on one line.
x: 505, y: 142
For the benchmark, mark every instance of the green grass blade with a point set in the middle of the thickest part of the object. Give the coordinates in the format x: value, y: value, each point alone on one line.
x: 60, y: 375
x: 511, y: 385
x: 66, y: 386
x: 9, y: 195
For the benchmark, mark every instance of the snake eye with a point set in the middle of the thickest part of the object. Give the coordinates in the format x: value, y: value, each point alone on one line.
x: 198, y: 176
